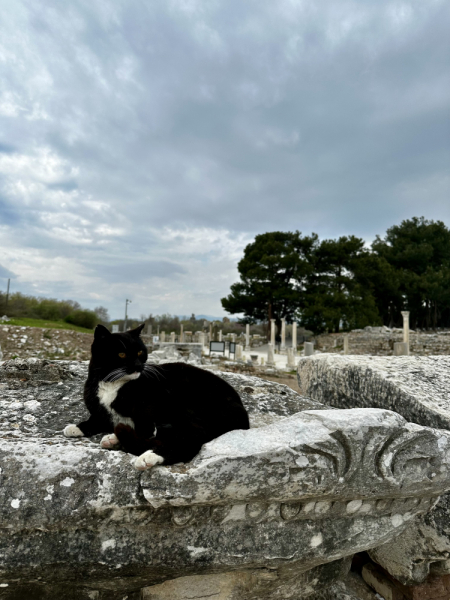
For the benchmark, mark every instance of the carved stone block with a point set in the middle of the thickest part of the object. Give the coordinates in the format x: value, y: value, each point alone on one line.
x: 418, y: 388
x: 289, y: 501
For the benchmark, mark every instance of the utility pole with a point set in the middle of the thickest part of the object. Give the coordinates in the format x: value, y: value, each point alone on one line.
x: 127, y: 302
x: 7, y: 297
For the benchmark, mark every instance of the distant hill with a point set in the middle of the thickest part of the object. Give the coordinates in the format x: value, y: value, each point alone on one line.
x: 206, y: 317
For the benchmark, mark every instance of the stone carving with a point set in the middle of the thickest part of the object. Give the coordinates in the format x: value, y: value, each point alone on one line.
x: 285, y: 504
x: 303, y: 456
x: 418, y: 388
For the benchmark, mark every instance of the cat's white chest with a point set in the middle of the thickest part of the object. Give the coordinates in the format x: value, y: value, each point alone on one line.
x: 107, y: 393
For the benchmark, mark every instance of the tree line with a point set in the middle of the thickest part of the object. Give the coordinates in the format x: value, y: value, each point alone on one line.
x: 340, y: 284
x: 19, y: 306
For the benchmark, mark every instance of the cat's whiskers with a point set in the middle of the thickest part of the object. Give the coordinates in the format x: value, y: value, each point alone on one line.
x: 150, y: 370
x: 114, y: 375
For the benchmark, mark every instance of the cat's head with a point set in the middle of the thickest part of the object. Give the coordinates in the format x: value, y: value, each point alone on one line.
x: 118, y: 355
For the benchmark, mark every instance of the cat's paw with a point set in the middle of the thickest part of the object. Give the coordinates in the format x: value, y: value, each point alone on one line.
x: 147, y: 460
x: 72, y: 431
x: 109, y: 441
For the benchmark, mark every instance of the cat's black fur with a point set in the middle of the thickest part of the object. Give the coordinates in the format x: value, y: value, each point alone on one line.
x: 174, y: 408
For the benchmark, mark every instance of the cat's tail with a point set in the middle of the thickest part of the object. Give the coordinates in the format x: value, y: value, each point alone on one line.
x: 131, y: 442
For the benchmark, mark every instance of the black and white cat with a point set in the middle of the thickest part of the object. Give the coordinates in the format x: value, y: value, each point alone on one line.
x: 160, y: 413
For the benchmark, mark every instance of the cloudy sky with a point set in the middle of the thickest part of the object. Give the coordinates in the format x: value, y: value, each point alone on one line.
x: 143, y: 144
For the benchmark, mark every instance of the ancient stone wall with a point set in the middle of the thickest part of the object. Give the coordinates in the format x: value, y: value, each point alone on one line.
x: 379, y: 341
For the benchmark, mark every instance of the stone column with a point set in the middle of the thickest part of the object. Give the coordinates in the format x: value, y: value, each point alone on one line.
x: 290, y: 359
x: 247, y: 337
x: 210, y: 332
x: 270, y: 356
x: 181, y: 334
x: 163, y: 336
x: 149, y: 329
x: 233, y: 337
x: 405, y: 315
x: 172, y: 337
x: 220, y: 335
x: 345, y: 343
x: 309, y: 348
x: 272, y: 332
x: 283, y: 334
x: 294, y: 338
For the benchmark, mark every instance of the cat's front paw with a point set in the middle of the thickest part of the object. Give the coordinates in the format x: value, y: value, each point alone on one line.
x: 109, y: 441
x: 147, y: 460
x: 72, y: 431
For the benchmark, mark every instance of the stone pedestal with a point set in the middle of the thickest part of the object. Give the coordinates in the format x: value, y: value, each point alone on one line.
x: 401, y: 349
x: 272, y: 332
x: 309, y: 348
x: 201, y: 339
x: 247, y: 338
x: 290, y: 359
x: 346, y: 343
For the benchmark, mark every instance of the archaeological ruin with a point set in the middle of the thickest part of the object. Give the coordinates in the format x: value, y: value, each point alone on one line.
x: 356, y: 469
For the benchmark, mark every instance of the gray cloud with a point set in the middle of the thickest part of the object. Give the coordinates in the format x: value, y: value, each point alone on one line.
x: 141, y: 271
x: 6, y: 273
x: 126, y: 126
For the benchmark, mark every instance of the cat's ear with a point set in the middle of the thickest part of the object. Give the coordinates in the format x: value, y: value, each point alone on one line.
x: 137, y: 332
x: 101, y: 332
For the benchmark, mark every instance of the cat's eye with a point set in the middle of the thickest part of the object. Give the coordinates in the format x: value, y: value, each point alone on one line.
x: 122, y: 354
x: 140, y: 352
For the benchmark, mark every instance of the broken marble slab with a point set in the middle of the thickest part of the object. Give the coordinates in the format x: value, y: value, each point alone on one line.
x: 309, y: 489
x: 418, y: 388
x: 302, y: 491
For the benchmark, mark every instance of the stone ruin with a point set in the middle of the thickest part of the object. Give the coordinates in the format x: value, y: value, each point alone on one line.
x: 274, y: 512
x: 380, y: 341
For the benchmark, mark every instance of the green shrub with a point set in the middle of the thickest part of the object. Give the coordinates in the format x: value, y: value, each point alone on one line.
x: 49, y: 310
x: 82, y: 318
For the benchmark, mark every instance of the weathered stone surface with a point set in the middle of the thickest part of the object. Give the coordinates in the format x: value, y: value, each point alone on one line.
x: 423, y: 548
x: 351, y: 587
x: 44, y: 343
x: 39, y: 397
x: 414, y: 386
x: 275, y: 502
x: 267, y: 401
x: 257, y: 584
x: 417, y: 388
